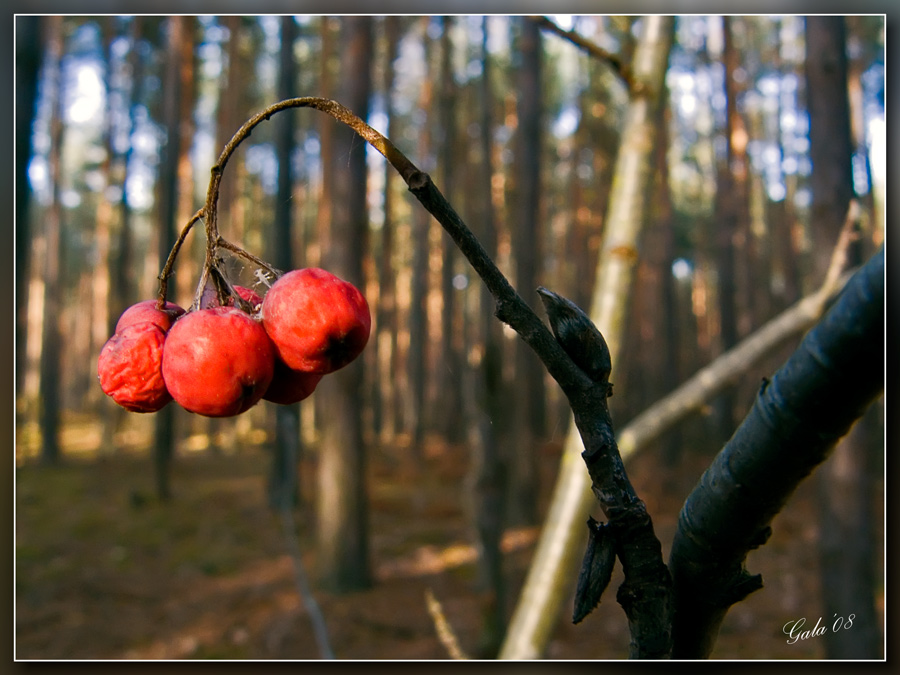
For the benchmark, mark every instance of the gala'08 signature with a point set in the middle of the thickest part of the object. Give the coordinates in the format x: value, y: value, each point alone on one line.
x: 794, y: 629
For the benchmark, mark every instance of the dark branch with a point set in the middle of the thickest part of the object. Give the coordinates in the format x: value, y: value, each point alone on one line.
x: 645, y: 595
x: 797, y: 419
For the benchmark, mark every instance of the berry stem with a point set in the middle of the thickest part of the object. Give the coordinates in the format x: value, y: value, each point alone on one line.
x: 170, y: 261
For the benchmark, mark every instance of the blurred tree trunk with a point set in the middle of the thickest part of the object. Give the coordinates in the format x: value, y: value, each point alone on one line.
x: 328, y: 33
x: 385, y: 390
x: 28, y: 64
x: 450, y: 360
x: 730, y: 223
x: 53, y: 258
x: 103, y: 220
x: 780, y: 218
x: 528, y: 398
x: 177, y: 80
x: 343, y: 532
x: 551, y: 575
x: 418, y: 328
x: 673, y: 371
x: 123, y: 279
x: 121, y: 268
x: 229, y: 117
x: 326, y: 142
x: 481, y: 386
x: 647, y: 370
x: 844, y: 487
x: 232, y: 216
x: 283, y: 479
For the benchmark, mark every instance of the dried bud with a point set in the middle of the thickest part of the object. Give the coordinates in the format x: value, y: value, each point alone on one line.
x: 577, y: 335
x: 596, y: 569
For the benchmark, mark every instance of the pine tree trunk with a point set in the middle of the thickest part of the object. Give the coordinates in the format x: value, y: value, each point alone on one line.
x: 173, y: 93
x: 28, y: 63
x: 481, y: 385
x: 528, y: 388
x: 343, y: 533
x: 283, y: 479
x: 50, y: 339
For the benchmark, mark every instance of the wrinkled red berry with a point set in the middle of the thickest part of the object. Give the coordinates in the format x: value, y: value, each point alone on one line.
x: 130, y: 367
x: 291, y: 386
x: 318, y: 322
x: 146, y: 311
x: 218, y: 361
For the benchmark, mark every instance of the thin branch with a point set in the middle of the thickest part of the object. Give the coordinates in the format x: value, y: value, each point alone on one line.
x: 320, y: 629
x: 619, y: 67
x: 645, y: 593
x: 170, y: 261
x: 443, y: 628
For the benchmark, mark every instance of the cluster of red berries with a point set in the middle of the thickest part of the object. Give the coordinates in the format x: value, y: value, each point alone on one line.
x: 220, y: 361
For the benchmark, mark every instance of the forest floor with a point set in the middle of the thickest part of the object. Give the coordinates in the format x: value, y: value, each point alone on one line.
x: 106, y: 571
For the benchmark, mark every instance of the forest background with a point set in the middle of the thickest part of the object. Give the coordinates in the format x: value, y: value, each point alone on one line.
x: 155, y: 527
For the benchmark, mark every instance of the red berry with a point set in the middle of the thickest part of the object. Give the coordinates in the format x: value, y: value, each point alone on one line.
x: 146, y: 311
x: 130, y: 367
x: 249, y: 295
x: 291, y: 386
x: 318, y: 322
x: 218, y: 362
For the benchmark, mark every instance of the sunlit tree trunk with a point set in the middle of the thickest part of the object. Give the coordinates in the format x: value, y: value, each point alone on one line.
x: 343, y: 532
x: 385, y: 388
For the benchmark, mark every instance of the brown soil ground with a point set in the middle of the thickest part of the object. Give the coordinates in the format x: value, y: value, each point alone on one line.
x: 106, y: 571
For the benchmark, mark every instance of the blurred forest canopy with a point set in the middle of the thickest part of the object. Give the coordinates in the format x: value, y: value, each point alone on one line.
x: 100, y: 92
x: 729, y: 241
